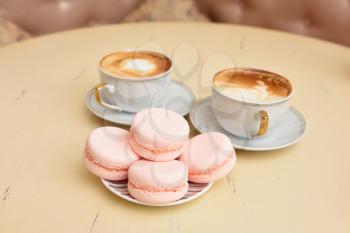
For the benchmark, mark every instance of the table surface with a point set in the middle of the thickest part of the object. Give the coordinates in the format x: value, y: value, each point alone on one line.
x: 44, y: 186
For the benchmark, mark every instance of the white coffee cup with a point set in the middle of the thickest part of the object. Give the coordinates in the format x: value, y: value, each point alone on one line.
x: 246, y: 109
x: 125, y: 90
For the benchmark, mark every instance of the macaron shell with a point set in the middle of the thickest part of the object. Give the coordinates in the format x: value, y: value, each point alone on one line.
x: 148, y: 154
x: 105, y: 173
x: 110, y: 146
x: 157, y: 197
x: 167, y: 174
x: 159, y: 128
x: 211, y: 155
x: 108, y: 154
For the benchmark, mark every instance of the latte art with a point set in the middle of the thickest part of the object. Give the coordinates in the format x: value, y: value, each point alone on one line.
x: 252, y: 86
x: 143, y: 66
x: 135, y: 64
x: 259, y: 92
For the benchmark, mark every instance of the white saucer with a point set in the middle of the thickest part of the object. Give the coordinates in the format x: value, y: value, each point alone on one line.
x: 179, y: 99
x: 119, y: 188
x: 290, y: 130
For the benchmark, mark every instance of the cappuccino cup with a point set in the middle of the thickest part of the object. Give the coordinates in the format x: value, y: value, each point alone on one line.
x: 249, y: 103
x: 133, y: 80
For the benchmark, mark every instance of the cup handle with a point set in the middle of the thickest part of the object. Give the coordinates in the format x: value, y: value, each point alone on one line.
x: 100, y: 100
x: 264, y: 123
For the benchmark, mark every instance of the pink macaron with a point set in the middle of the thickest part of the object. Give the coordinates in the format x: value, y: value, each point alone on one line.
x: 158, y: 182
x: 159, y: 134
x: 209, y: 157
x: 107, y: 153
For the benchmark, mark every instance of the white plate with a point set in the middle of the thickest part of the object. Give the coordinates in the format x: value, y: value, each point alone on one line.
x: 290, y: 130
x: 119, y: 188
x: 179, y: 99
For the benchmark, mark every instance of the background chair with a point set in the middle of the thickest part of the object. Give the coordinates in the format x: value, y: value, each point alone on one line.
x: 324, y: 19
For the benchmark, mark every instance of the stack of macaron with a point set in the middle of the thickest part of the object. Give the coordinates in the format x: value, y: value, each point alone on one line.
x: 157, y: 156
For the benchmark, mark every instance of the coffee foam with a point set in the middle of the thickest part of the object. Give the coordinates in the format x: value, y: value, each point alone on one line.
x: 136, y: 64
x: 252, y: 85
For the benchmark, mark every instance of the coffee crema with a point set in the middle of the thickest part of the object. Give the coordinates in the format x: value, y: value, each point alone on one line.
x: 135, y: 64
x: 252, y: 85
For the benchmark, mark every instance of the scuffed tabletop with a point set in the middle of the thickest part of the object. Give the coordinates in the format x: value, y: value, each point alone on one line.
x: 44, y: 186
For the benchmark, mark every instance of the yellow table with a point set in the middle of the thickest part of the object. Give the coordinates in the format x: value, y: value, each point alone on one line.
x: 44, y: 186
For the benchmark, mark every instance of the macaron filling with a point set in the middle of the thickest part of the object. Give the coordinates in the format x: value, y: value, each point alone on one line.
x: 147, y: 188
x: 88, y: 156
x: 155, y: 150
x: 210, y: 170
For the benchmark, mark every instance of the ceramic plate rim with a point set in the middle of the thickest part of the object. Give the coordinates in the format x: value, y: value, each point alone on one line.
x: 178, y: 202
x: 249, y: 148
x: 90, y: 93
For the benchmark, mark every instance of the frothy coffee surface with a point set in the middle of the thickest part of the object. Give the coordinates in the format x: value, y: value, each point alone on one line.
x: 135, y: 64
x: 252, y: 85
